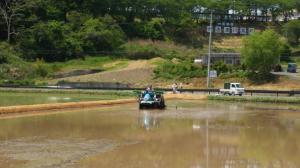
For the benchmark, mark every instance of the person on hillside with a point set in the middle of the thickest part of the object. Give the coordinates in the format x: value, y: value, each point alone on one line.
x: 174, y: 88
x: 180, y: 87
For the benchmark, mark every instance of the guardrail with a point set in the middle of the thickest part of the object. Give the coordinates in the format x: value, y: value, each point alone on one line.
x: 274, y: 92
x: 207, y: 91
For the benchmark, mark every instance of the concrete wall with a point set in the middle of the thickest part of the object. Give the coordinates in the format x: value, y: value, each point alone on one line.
x: 93, y: 85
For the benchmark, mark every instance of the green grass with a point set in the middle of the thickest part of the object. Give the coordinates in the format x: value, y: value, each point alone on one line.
x: 289, y: 100
x: 181, y: 70
x: 9, y: 97
x: 12, y: 98
x: 147, y: 49
x: 87, y: 63
x: 116, y: 93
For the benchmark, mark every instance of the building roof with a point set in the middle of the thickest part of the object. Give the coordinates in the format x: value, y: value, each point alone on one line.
x: 222, y: 55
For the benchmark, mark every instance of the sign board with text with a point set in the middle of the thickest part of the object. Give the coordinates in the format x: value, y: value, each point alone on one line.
x: 213, y: 74
x: 230, y: 30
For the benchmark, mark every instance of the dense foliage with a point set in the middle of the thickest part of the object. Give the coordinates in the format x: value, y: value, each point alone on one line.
x: 261, y: 53
x: 145, y: 49
x: 285, y: 53
x: 179, y: 70
x: 58, y: 30
x: 59, y: 41
x: 292, y: 31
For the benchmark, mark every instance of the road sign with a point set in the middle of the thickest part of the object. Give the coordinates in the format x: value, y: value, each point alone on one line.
x: 209, y: 29
x: 198, y: 61
x: 213, y: 74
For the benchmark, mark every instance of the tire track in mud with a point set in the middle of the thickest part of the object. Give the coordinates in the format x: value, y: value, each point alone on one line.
x: 41, y: 152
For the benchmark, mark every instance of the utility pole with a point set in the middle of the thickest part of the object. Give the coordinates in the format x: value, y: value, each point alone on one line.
x: 209, y: 51
x: 233, y: 11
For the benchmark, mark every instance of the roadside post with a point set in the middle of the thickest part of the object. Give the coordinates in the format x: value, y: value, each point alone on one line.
x: 209, y: 51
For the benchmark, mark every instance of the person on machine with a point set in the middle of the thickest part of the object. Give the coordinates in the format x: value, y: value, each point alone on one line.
x: 148, y: 93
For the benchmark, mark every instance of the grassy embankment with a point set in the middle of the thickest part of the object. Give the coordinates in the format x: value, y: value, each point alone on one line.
x: 162, y: 63
x: 29, y: 101
x: 159, y: 63
x: 37, y: 100
x: 68, y: 91
x: 288, y: 100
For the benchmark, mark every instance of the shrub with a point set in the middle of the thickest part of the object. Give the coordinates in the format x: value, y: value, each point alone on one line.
x: 292, y: 31
x: 137, y: 51
x: 285, y: 53
x: 181, y: 70
x: 152, y: 30
x: 16, y: 71
x: 12, y: 67
x: 143, y: 49
x: 20, y: 82
x: 221, y: 67
x: 234, y: 74
x: 7, y: 53
x: 41, y: 69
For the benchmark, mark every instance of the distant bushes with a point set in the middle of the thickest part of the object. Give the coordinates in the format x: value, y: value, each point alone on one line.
x: 141, y: 49
x: 48, y: 41
x: 226, y: 71
x: 41, y: 69
x: 153, y: 29
x: 8, y: 54
x: 11, y: 66
x: 285, y: 53
x: 292, y: 31
x: 59, y: 41
x: 101, y: 34
x: 20, y: 82
x: 181, y: 70
x: 221, y: 67
x: 15, y: 71
x: 184, y: 30
x: 234, y: 74
x: 270, y: 99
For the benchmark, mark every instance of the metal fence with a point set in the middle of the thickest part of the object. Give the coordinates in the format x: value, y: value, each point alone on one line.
x: 193, y: 91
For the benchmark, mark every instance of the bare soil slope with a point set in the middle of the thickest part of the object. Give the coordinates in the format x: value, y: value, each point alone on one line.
x: 138, y: 72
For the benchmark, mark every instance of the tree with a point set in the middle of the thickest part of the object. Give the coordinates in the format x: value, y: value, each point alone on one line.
x: 153, y: 29
x: 285, y: 53
x: 292, y: 31
x: 261, y: 52
x: 101, y: 34
x: 52, y: 41
x: 10, y: 11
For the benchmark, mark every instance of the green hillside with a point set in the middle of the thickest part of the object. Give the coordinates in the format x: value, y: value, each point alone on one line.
x: 46, y: 41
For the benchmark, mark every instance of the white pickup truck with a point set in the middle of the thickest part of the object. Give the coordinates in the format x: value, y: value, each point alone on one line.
x: 232, y: 89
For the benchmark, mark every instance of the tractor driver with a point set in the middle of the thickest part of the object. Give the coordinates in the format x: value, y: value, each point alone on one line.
x: 148, y: 93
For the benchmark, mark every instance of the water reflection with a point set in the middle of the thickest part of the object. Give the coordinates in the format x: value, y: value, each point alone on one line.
x: 197, y: 134
x: 148, y: 120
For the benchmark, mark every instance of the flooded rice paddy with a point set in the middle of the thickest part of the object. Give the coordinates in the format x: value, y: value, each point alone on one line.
x: 188, y: 134
x: 11, y: 98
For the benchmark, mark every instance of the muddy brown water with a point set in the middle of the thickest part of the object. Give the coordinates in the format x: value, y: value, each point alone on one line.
x: 192, y: 134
